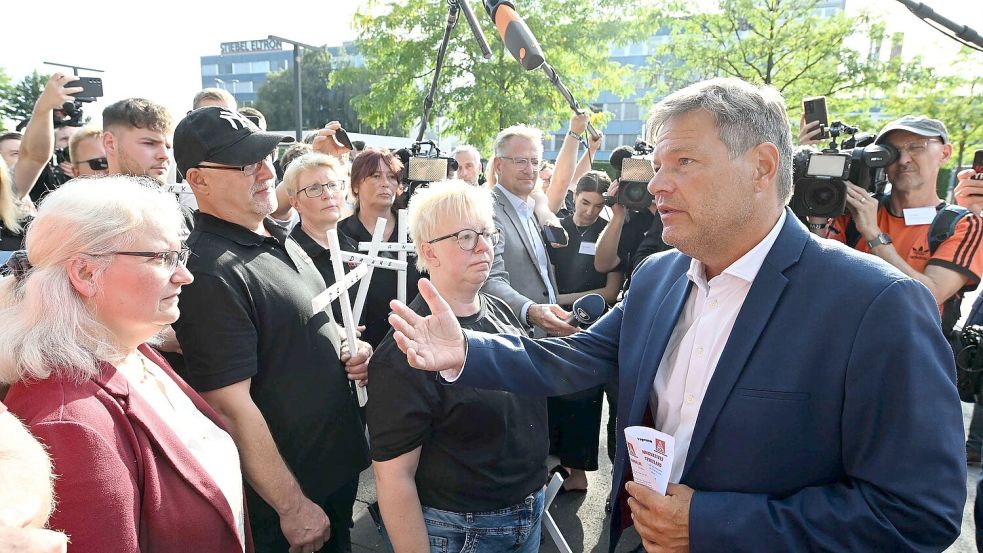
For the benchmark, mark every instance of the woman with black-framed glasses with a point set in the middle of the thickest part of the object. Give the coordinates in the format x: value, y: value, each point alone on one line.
x: 315, y: 184
x: 457, y: 468
x: 143, y: 463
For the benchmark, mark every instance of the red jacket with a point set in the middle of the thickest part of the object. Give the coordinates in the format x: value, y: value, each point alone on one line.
x: 125, y: 482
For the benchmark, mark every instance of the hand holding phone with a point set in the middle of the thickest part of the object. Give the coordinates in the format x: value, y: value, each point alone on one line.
x: 814, y: 110
x: 978, y: 165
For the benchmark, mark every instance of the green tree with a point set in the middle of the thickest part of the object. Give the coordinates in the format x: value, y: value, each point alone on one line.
x: 479, y: 97
x: 6, y: 93
x: 322, y: 103
x: 956, y: 100
x: 21, y: 97
x: 788, y: 44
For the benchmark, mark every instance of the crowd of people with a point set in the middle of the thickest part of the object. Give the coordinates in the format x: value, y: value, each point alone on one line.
x: 171, y: 385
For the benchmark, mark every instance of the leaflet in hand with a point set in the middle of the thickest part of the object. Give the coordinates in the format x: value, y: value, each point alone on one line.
x: 650, y: 453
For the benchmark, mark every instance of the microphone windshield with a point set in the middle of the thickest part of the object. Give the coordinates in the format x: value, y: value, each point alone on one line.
x: 619, y: 155
x: 589, y: 309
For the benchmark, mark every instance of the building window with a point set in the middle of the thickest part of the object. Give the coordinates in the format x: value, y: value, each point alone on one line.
x: 631, y: 111
x: 240, y: 68
x: 242, y: 86
x: 260, y: 67
x: 209, y: 70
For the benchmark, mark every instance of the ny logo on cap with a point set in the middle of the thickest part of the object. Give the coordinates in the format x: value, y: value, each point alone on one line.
x: 233, y: 118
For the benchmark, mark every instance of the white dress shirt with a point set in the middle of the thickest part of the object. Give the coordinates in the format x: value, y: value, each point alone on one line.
x: 211, y: 446
x: 697, y: 341
x: 526, y: 211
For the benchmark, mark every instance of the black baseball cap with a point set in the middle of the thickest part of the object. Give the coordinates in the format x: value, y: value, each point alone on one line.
x: 920, y: 125
x: 218, y: 135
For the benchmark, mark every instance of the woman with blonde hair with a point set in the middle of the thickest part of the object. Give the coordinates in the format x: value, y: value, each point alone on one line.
x: 143, y: 462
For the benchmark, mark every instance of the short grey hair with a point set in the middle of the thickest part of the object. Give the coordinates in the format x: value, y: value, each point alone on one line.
x: 533, y: 134
x: 747, y: 115
x: 47, y: 326
x: 443, y: 200
x: 310, y: 160
x: 468, y: 149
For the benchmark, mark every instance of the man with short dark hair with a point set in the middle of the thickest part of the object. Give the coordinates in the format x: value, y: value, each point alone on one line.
x: 10, y: 147
x: 137, y: 138
x: 256, y: 350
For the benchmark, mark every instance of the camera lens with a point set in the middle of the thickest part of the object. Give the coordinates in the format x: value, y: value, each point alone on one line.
x: 635, y: 192
x: 827, y: 196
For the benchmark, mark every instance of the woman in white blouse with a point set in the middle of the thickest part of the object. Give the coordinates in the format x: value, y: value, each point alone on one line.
x: 143, y: 463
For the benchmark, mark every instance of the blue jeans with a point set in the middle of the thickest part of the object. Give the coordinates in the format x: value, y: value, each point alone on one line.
x: 514, y: 529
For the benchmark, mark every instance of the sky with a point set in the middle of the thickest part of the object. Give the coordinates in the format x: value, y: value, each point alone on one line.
x: 153, y: 49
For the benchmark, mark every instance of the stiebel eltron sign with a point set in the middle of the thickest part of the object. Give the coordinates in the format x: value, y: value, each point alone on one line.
x: 261, y: 45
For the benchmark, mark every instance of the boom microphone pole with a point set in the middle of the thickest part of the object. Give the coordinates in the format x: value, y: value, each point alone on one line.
x: 454, y: 8
x: 962, y: 33
x: 524, y: 47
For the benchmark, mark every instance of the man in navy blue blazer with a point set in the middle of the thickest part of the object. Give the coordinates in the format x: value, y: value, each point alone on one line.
x: 808, y: 387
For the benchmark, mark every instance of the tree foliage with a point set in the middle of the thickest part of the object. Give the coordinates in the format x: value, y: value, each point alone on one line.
x: 788, y: 44
x: 321, y: 102
x: 475, y: 97
x: 18, y: 100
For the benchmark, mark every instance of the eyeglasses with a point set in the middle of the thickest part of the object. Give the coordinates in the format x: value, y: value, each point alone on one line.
x: 523, y: 162
x: 248, y: 170
x: 169, y: 259
x: 467, y: 239
x: 315, y: 190
x: 916, y: 147
x: 96, y: 163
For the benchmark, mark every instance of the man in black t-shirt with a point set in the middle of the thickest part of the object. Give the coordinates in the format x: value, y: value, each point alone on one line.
x: 255, y: 349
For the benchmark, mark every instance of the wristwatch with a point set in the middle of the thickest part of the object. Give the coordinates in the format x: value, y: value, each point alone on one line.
x: 881, y: 239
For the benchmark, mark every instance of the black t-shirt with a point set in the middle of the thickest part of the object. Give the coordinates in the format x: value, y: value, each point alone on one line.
x: 482, y: 450
x: 382, y: 288
x: 575, y: 270
x: 320, y: 255
x: 248, y: 315
x: 640, y: 237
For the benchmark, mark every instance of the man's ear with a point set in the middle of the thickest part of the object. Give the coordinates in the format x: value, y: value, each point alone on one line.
x: 82, y: 275
x: 196, y: 180
x: 427, y: 250
x: 109, y: 142
x: 946, y: 153
x: 765, y: 161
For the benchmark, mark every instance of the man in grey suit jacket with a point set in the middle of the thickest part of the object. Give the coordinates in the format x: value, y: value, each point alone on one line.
x: 521, y: 274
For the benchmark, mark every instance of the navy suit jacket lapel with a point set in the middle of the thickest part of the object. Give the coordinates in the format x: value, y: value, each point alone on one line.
x: 663, y: 323
x: 751, y: 322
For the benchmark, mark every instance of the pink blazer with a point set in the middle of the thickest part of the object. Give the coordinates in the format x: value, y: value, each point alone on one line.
x: 125, y: 482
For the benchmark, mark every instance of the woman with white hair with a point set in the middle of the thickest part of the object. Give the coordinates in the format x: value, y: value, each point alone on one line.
x: 456, y: 465
x: 143, y: 462
x: 315, y: 187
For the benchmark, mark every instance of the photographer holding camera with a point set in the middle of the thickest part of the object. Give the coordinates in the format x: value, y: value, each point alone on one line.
x: 37, y: 164
x: 897, y: 226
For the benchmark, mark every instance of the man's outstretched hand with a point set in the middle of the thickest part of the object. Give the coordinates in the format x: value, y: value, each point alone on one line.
x: 431, y: 343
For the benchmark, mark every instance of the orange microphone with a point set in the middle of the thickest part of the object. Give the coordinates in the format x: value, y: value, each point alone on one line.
x: 516, y: 35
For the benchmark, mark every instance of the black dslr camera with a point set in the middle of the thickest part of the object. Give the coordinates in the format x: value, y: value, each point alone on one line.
x: 633, y: 166
x: 819, y: 178
x: 423, y: 166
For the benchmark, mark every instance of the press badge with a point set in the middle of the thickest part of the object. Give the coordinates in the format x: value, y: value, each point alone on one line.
x: 919, y: 216
x: 588, y: 248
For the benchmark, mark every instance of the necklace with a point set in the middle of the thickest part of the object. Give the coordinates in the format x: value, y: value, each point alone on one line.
x: 157, y: 381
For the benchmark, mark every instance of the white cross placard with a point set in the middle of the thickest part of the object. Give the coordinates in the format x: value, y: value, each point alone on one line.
x: 402, y: 247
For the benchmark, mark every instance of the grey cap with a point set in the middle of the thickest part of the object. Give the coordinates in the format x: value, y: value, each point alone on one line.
x: 920, y: 125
